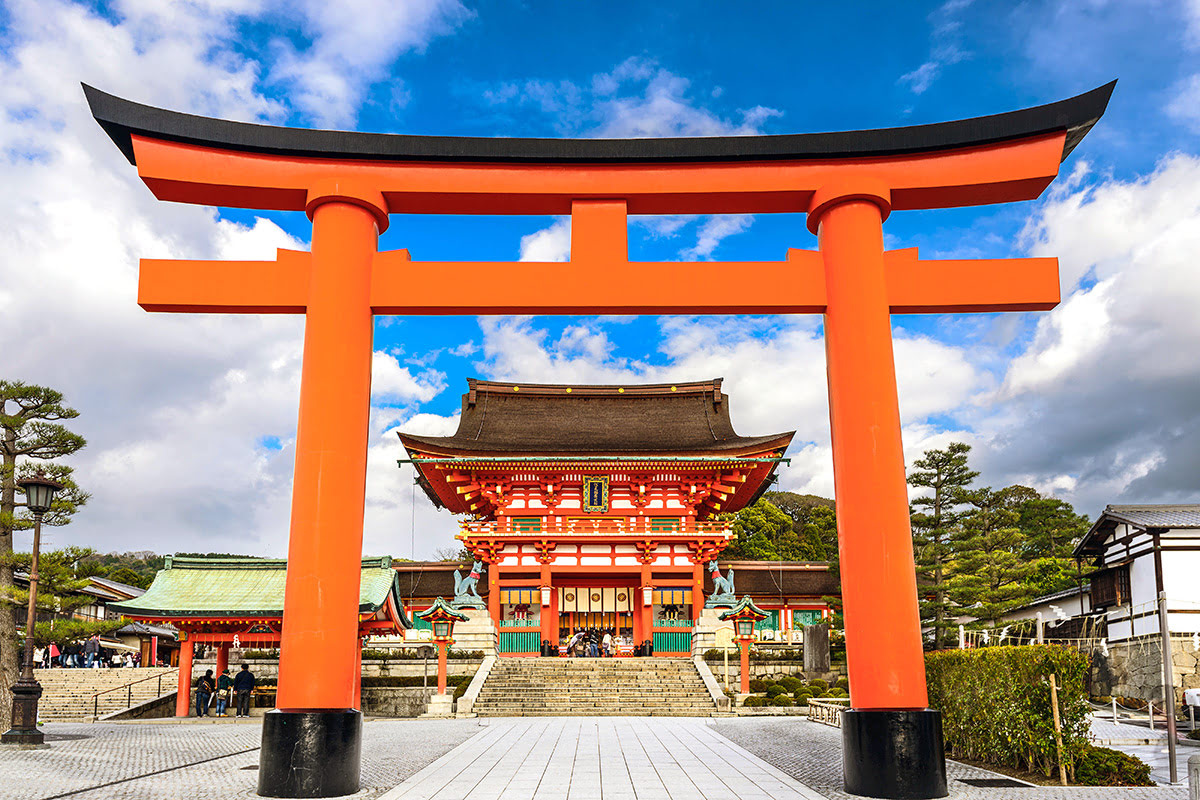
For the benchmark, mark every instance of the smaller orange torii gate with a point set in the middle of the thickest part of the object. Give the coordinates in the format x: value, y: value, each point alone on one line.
x: 847, y: 183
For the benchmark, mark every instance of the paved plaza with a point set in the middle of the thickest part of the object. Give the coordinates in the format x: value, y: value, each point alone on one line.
x: 571, y: 758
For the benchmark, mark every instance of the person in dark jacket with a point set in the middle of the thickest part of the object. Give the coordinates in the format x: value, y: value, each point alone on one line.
x: 243, y: 685
x: 204, y: 690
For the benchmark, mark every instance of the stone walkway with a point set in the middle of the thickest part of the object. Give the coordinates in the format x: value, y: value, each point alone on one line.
x: 574, y: 758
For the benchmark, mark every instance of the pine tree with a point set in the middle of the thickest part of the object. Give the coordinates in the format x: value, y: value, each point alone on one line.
x: 1051, y: 529
x: 989, y: 574
x: 59, y: 595
x: 30, y: 428
x: 934, y: 520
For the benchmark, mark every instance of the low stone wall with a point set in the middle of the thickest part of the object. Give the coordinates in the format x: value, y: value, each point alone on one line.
x: 391, y: 701
x: 1134, y: 669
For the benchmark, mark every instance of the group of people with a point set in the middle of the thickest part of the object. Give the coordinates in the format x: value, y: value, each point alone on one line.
x: 593, y: 643
x: 89, y: 653
x: 221, y: 691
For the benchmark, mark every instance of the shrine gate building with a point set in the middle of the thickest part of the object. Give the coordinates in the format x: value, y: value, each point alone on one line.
x: 597, y: 507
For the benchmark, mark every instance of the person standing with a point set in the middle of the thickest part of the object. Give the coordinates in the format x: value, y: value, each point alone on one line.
x: 204, y: 690
x: 607, y: 644
x: 243, y: 685
x: 91, y: 649
x: 224, y: 685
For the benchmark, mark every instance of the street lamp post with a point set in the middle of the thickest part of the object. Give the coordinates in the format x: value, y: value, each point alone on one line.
x: 39, y: 494
x: 442, y: 618
x: 743, y: 616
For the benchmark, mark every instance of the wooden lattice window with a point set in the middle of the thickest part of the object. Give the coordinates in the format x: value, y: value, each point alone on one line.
x: 1110, y: 587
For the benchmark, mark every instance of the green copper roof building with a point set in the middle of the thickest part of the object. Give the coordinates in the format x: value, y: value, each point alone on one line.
x: 241, y: 588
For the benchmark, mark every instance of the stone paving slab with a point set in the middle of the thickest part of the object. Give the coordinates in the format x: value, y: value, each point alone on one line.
x: 812, y: 753
x: 153, y: 761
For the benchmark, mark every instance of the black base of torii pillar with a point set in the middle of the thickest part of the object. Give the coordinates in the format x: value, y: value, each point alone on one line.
x: 893, y: 754
x: 310, y: 753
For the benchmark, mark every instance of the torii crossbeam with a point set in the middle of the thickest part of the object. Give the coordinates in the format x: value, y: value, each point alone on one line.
x: 847, y: 183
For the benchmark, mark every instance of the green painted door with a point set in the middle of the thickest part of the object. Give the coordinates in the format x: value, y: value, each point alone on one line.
x: 672, y: 642
x: 521, y: 641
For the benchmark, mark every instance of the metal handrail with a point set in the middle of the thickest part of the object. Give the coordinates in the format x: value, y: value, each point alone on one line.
x: 128, y: 687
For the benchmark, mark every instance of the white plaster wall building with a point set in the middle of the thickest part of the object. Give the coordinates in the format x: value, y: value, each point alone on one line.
x: 1142, y: 550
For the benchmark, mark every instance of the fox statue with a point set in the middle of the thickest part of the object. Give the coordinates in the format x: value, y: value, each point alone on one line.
x: 723, y: 592
x: 465, y: 593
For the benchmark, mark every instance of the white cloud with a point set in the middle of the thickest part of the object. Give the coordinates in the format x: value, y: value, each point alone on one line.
x: 393, y: 384
x: 945, y: 46
x: 1185, y: 102
x: 351, y: 45
x: 1104, y: 396
x: 548, y: 244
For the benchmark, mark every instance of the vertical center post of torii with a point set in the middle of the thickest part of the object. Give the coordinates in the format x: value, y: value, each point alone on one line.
x: 320, y: 624
x: 874, y: 536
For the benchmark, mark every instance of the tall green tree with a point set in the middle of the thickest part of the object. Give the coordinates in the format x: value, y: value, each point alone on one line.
x: 935, y: 519
x: 814, y: 521
x: 32, y: 434
x: 765, y: 532
x: 990, y: 574
x: 1051, y: 528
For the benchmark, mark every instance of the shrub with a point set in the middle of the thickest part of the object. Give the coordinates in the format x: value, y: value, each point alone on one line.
x: 1100, y: 766
x: 781, y: 700
x: 802, y: 696
x: 816, y: 684
x: 775, y: 690
x: 757, y: 686
x: 461, y: 689
x: 790, y: 684
x: 754, y: 702
x: 841, y: 693
x: 380, y: 681
x: 842, y: 683
x: 995, y: 704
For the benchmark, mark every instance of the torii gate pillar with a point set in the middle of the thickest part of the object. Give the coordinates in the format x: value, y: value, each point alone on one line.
x: 847, y: 183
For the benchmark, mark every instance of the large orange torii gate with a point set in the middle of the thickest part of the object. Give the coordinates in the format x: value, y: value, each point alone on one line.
x: 847, y: 183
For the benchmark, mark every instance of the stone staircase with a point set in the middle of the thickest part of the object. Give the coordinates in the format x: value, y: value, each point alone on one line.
x: 594, y: 687
x: 67, y: 693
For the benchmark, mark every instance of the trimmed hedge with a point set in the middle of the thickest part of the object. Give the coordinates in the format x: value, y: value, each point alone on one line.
x: 775, y: 690
x: 781, y: 700
x: 757, y: 686
x: 995, y: 704
x: 754, y: 702
x: 1100, y: 766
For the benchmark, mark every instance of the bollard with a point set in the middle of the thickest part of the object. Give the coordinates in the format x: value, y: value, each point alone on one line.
x: 1114, y: 709
x: 1194, y: 777
x: 1150, y: 712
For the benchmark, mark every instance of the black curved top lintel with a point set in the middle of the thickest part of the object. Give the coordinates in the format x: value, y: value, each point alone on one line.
x: 122, y: 118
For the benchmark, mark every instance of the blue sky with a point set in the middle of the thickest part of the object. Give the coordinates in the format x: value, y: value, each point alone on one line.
x: 191, y: 419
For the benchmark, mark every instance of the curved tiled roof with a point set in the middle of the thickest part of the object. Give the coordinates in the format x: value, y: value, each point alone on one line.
x: 543, y: 419
x: 239, y: 587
